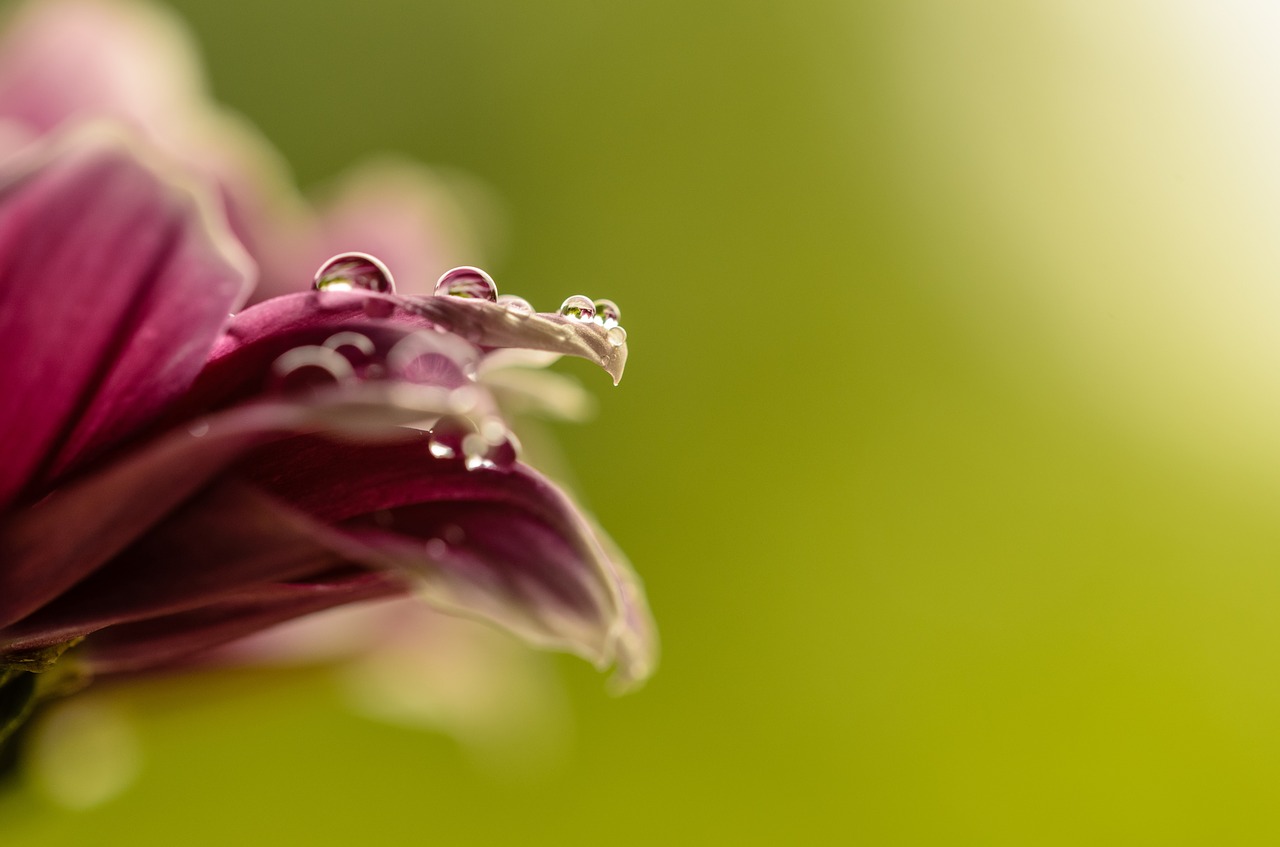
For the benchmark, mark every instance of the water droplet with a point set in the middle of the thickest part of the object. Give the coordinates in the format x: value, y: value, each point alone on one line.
x: 617, y: 336
x: 198, y: 429
x: 607, y: 313
x: 515, y: 305
x: 469, y: 282
x: 454, y: 534
x: 475, y: 451
x: 349, y: 271
x: 436, y: 548
x: 578, y: 307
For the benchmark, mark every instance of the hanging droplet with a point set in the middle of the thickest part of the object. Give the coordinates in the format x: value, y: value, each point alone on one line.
x: 617, y: 336
x: 515, y: 305
x: 468, y: 282
x: 351, y: 271
x: 579, y: 308
x: 607, y: 313
x: 475, y: 451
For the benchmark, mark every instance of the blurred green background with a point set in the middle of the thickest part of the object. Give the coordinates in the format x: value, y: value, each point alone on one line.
x: 947, y: 447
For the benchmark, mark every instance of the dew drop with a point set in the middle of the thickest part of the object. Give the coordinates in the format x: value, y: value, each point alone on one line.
x: 198, y: 429
x: 579, y: 308
x: 515, y: 305
x: 351, y: 271
x: 436, y: 548
x: 617, y: 336
x: 607, y: 313
x: 468, y: 282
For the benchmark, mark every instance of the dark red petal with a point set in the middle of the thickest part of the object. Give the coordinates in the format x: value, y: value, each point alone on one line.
x: 55, y: 543
x: 114, y: 285
x: 505, y: 545
x: 225, y: 540
x: 158, y: 641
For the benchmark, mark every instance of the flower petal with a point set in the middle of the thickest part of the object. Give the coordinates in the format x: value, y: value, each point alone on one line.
x: 55, y: 543
x: 114, y: 285
x: 503, y: 545
x: 227, y: 539
x: 147, y: 644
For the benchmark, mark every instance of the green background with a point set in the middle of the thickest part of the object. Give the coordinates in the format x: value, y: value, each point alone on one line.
x: 946, y: 447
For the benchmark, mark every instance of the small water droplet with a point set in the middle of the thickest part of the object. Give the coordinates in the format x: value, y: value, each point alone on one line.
x: 436, y: 548
x: 468, y: 282
x: 617, y: 336
x: 578, y: 307
x: 515, y: 305
x: 454, y: 534
x: 198, y: 429
x: 607, y: 313
x: 350, y: 271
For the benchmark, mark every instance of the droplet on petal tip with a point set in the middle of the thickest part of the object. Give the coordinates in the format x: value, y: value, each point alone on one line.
x: 607, y: 313
x: 351, y: 271
x: 578, y: 307
x: 468, y: 282
x: 617, y: 336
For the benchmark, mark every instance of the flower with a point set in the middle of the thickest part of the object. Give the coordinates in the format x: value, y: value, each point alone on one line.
x: 182, y: 473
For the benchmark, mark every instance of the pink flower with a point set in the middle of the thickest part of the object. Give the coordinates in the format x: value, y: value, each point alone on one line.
x: 181, y: 474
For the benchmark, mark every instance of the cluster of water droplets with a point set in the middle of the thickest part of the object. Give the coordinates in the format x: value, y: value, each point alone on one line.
x: 482, y: 443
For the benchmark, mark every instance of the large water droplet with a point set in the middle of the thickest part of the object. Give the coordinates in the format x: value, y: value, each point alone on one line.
x: 516, y: 305
x: 607, y: 313
x: 578, y: 307
x: 617, y: 336
x: 350, y: 271
x: 469, y: 282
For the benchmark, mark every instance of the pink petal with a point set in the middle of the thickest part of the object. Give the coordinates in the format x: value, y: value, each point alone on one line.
x: 62, y: 60
x: 113, y: 287
x: 404, y: 214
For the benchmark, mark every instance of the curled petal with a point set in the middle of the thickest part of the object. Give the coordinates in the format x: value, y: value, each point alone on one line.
x: 503, y: 545
x: 114, y: 284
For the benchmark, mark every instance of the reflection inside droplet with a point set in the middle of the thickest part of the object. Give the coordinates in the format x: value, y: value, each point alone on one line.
x: 350, y: 271
x: 607, y: 313
x: 468, y: 282
x: 578, y: 307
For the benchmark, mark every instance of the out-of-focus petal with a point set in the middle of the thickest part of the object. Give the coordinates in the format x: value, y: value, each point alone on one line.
x: 64, y: 60
x: 503, y: 545
x: 403, y: 213
x: 147, y: 644
x: 114, y: 284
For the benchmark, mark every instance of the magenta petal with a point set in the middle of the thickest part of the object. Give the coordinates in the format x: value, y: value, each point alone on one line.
x: 507, y: 546
x: 158, y: 641
x: 227, y: 539
x: 113, y: 287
